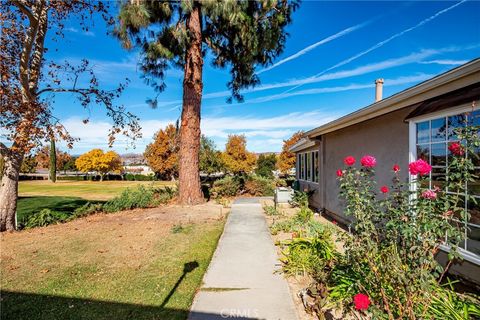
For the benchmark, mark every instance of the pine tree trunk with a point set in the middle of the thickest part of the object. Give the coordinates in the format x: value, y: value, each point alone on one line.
x: 53, y: 161
x: 9, y: 191
x: 190, y: 192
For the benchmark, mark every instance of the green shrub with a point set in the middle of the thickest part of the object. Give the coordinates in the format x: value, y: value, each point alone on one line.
x: 85, y: 210
x: 271, y: 211
x: 72, y: 178
x: 308, y: 256
x: 299, y: 199
x: 140, y: 197
x: 139, y: 177
x: 259, y: 186
x: 304, y: 215
x: 44, y: 218
x: 226, y: 187
x: 450, y: 305
x: 280, y: 182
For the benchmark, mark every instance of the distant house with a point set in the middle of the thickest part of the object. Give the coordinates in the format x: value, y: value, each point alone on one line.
x: 138, y: 169
x: 415, y: 123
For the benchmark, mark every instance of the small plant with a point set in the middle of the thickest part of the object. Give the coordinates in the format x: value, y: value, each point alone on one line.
x: 271, y: 211
x: 299, y: 199
x: 179, y: 228
x: 450, y: 305
x: 44, y: 218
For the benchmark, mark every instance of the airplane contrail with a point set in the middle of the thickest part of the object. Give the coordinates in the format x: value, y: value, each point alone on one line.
x: 382, y: 43
x: 316, y: 44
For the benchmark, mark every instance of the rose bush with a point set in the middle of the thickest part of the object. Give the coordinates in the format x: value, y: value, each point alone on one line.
x: 390, y: 255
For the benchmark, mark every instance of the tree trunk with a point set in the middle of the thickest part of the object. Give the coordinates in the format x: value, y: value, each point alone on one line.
x: 190, y: 192
x: 53, y: 160
x: 9, y: 191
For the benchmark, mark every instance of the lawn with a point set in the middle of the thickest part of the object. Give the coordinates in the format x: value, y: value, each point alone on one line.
x: 90, y: 190
x: 143, y: 264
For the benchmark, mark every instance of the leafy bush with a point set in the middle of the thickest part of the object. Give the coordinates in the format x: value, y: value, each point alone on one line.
x: 299, y: 199
x: 140, y: 197
x: 44, y: 218
x: 271, y: 211
x: 87, y: 209
x: 259, y: 186
x: 226, y: 187
x: 139, y: 177
x: 266, y: 165
x: 400, y: 277
x: 307, y: 256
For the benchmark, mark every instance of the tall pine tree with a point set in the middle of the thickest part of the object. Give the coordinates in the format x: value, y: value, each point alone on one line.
x: 238, y: 34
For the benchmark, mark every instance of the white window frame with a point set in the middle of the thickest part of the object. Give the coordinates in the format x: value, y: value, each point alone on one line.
x: 304, y: 166
x: 412, y: 156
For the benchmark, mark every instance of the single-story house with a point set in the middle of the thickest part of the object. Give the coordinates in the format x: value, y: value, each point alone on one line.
x: 414, y: 123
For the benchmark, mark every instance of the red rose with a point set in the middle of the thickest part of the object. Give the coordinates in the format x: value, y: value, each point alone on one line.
x: 334, y: 222
x: 396, y: 168
x: 456, y: 149
x: 420, y: 167
x: 384, y: 189
x: 361, y: 301
x: 349, y: 161
x: 368, y: 161
x: 339, y: 173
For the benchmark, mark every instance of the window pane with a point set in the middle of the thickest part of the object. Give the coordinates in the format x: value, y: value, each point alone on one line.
x: 476, y: 157
x: 423, y: 132
x: 439, y: 154
x: 423, y: 152
x: 474, y: 211
x: 475, y: 118
x: 439, y: 129
x: 455, y: 122
x: 438, y: 178
x: 473, y: 239
x: 309, y: 166
x: 474, y: 186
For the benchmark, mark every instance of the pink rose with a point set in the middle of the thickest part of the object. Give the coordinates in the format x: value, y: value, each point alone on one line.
x: 368, y: 161
x: 339, y: 173
x: 420, y: 167
x: 396, y: 168
x: 384, y: 189
x: 349, y: 161
x: 429, y: 194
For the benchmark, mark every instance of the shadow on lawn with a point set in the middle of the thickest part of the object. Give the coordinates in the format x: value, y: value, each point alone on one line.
x: 33, y: 306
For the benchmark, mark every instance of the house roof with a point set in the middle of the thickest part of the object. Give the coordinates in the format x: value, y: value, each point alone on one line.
x: 460, y: 77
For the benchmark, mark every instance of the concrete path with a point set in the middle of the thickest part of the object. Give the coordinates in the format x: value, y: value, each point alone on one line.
x: 241, y: 282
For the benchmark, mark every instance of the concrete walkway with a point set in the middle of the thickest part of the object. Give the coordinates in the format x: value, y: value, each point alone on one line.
x: 241, y: 282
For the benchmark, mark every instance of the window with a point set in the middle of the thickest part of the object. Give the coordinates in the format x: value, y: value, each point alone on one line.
x: 307, y: 166
x: 432, y: 138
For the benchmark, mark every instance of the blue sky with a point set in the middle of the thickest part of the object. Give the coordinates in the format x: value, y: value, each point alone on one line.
x: 334, y: 53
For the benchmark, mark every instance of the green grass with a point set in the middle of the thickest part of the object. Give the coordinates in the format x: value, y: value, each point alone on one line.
x: 90, y: 190
x: 95, y: 274
x: 28, y: 206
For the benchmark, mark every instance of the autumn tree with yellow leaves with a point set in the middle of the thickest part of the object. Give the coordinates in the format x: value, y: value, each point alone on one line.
x: 162, y: 153
x: 286, y: 160
x: 100, y: 162
x: 236, y: 158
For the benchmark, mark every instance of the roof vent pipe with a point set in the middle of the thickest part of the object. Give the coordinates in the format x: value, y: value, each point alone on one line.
x: 378, y: 89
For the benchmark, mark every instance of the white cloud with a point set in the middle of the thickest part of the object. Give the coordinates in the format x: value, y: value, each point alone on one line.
x: 313, y: 46
x: 75, y: 30
x: 267, y: 133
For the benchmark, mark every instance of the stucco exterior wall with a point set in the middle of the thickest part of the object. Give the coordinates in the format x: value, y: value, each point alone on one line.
x: 385, y: 138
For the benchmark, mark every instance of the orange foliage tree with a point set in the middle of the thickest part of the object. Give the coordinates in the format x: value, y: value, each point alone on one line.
x: 286, y: 160
x: 162, y: 153
x: 43, y: 158
x: 100, y: 162
x: 236, y: 157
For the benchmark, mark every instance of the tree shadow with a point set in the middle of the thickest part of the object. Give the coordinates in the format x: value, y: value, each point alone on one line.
x: 35, y: 306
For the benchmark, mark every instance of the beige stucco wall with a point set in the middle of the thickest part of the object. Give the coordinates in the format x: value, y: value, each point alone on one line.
x: 385, y: 138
